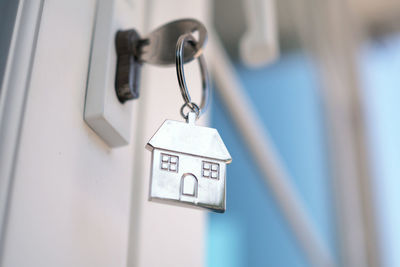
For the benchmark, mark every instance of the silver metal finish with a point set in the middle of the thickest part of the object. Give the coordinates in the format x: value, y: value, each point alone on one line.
x: 195, y: 110
x: 188, y: 165
x: 188, y: 161
x: 188, y: 38
x: 158, y: 47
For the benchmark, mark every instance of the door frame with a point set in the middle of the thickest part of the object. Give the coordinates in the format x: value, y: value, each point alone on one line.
x: 14, y: 89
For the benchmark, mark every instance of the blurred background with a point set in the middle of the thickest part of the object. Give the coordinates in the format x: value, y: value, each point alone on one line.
x: 328, y: 101
x: 305, y: 96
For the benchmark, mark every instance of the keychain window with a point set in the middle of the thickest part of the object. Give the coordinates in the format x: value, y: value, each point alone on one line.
x: 169, y: 163
x: 210, y: 170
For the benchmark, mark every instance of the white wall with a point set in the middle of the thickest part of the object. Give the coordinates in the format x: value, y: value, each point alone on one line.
x: 74, y: 201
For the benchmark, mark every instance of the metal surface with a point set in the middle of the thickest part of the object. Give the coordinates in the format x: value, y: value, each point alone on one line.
x: 188, y: 165
x: 195, y: 110
x: 188, y: 38
x: 158, y: 47
x: 127, y: 76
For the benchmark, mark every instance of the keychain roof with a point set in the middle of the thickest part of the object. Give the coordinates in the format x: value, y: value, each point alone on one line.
x: 190, y: 139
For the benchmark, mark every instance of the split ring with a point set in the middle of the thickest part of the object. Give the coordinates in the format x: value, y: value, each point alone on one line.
x: 195, y: 109
x: 179, y: 56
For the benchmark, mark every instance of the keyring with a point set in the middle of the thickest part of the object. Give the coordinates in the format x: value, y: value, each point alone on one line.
x: 195, y: 109
x: 199, y: 110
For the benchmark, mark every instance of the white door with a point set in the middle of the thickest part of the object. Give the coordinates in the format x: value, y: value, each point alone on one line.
x: 69, y: 199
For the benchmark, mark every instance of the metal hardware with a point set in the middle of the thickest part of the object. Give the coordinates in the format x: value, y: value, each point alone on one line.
x: 195, y: 110
x: 156, y: 48
x: 188, y: 38
x: 188, y: 166
x: 128, y: 65
x: 189, y: 161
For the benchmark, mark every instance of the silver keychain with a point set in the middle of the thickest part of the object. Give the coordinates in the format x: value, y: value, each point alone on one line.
x: 188, y: 164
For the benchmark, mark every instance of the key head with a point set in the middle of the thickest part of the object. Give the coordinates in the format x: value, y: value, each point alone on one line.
x: 158, y: 47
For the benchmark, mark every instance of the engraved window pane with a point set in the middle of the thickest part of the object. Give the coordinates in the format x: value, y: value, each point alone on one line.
x: 206, y: 165
x: 169, y: 162
x: 165, y: 158
x: 174, y: 159
x: 210, y: 170
x: 164, y: 166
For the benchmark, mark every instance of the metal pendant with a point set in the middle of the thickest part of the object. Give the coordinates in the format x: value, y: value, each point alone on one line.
x: 188, y: 165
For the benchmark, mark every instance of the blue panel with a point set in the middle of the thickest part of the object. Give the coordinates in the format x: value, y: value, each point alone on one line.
x: 253, y: 232
x: 381, y: 76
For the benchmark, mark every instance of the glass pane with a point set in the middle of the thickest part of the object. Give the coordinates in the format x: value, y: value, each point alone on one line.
x: 8, y: 11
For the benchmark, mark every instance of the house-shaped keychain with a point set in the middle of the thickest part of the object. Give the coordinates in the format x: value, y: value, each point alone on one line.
x: 188, y: 165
